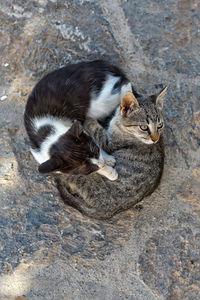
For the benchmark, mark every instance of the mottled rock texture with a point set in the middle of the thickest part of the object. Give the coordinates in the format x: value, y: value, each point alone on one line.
x: 49, y: 250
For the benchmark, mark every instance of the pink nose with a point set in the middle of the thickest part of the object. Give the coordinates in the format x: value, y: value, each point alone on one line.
x: 154, y: 138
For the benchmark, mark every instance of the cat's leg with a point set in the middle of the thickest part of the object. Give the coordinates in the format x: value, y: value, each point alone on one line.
x: 78, y: 202
x: 74, y: 199
x: 100, y: 135
x: 73, y: 195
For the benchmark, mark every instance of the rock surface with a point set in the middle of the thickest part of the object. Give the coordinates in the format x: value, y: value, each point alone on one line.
x: 49, y: 250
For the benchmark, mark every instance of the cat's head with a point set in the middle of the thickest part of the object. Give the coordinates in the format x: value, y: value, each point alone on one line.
x: 72, y: 153
x: 143, y: 118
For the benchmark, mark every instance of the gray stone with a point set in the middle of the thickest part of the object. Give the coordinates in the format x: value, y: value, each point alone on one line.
x: 49, y: 250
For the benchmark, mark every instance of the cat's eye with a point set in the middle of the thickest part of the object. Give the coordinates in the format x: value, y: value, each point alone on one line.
x: 144, y: 127
x: 160, y: 125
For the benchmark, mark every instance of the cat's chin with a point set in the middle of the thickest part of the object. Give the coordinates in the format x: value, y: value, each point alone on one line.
x: 148, y: 142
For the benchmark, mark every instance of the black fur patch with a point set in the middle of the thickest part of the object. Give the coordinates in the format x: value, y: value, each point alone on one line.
x: 72, y: 152
x: 118, y: 85
x: 43, y: 132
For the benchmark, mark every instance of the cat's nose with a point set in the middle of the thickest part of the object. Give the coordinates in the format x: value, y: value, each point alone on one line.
x: 155, y: 141
x: 154, y: 137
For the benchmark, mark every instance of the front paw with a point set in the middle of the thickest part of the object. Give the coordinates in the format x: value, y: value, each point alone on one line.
x: 110, y: 160
x: 112, y: 174
x: 108, y: 172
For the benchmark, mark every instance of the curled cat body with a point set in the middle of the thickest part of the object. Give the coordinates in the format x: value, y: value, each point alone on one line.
x: 74, y: 92
x: 135, y: 138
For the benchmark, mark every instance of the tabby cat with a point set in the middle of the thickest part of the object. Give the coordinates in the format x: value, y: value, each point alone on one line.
x: 135, y: 138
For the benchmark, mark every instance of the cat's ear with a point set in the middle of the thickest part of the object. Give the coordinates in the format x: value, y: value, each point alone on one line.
x: 159, y: 98
x: 128, y: 103
x: 50, y: 165
x: 76, y: 128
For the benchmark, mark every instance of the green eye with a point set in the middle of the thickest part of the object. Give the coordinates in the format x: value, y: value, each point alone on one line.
x: 160, y: 125
x: 143, y: 127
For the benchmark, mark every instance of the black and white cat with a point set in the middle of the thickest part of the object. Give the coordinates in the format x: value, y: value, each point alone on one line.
x: 87, y: 89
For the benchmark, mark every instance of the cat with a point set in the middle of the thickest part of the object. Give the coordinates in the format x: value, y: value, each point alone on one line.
x: 74, y: 92
x: 135, y: 138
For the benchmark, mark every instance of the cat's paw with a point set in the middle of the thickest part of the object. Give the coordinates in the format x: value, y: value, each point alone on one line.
x: 110, y: 160
x: 108, y: 172
x: 112, y: 175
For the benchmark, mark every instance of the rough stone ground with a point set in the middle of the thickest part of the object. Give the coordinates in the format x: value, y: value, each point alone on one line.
x: 49, y: 250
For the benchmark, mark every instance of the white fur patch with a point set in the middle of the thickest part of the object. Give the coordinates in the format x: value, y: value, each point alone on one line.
x: 103, y: 104
x: 149, y: 142
x: 99, y: 161
x: 60, y: 127
x: 125, y: 89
